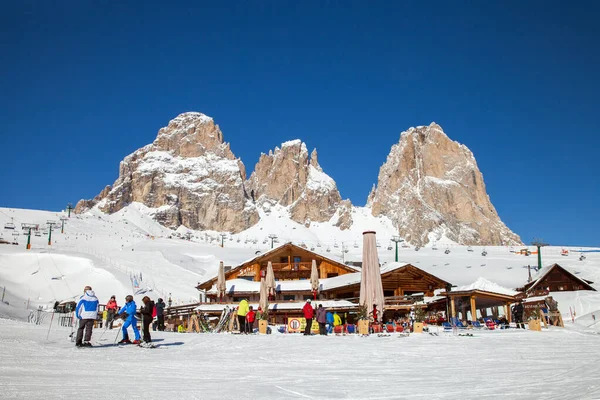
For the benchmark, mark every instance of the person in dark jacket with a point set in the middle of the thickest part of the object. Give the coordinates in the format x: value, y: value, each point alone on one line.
x: 160, y: 314
x: 321, y: 315
x: 146, y: 312
x: 518, y: 314
x: 308, y: 312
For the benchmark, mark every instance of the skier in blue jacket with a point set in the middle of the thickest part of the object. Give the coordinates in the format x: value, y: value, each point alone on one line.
x: 86, y: 312
x: 128, y: 313
x: 329, y: 322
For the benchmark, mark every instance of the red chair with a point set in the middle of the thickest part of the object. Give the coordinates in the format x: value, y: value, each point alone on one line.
x: 399, y: 328
x: 338, y: 330
x: 389, y: 328
x: 376, y: 328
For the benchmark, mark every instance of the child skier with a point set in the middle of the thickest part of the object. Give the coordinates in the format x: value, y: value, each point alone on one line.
x: 128, y: 314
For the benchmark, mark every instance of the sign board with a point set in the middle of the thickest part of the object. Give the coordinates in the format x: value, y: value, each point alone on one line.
x: 297, y: 325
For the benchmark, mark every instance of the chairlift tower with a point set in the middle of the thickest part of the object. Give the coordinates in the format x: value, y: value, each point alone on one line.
x: 539, y: 243
x: 50, y: 225
x: 62, y: 228
x: 29, y: 227
x: 69, y: 208
x: 272, y: 236
x: 396, y: 239
x: 223, y: 239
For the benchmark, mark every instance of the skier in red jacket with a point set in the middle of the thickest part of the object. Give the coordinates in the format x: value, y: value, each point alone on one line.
x: 309, y: 312
x: 250, y: 317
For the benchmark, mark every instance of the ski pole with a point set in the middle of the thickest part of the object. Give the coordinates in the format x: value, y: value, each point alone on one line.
x: 73, y: 327
x: 51, y: 319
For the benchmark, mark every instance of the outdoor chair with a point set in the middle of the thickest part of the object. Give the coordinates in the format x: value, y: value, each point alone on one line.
x: 458, y: 323
x: 389, y: 328
x: 350, y: 328
x: 447, y: 327
x: 338, y: 330
x: 477, y: 325
x: 399, y: 328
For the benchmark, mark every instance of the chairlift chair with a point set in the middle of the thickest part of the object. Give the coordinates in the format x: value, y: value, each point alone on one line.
x: 10, y: 225
x: 469, y: 248
x: 484, y: 252
x: 328, y: 250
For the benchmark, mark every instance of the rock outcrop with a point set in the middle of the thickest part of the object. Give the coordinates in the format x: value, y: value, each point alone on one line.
x: 431, y: 186
x: 188, y: 174
x: 289, y: 177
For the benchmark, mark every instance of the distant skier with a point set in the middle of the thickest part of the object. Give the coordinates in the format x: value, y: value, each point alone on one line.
x: 518, y: 314
x: 241, y: 313
x: 86, y: 312
x: 127, y: 312
x: 308, y: 312
x: 147, y: 311
x: 111, y: 310
x: 160, y: 314
x: 250, y: 317
x: 321, y: 316
x: 329, y: 317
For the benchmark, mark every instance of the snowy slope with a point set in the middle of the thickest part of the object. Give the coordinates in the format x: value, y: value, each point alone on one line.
x: 105, y: 251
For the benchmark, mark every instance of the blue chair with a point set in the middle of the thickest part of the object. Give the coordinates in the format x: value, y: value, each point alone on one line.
x: 458, y: 323
x: 447, y: 327
x: 477, y: 325
x: 350, y: 328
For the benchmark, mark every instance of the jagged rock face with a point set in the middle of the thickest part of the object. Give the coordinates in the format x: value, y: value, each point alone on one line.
x: 290, y: 177
x: 431, y: 186
x: 188, y: 174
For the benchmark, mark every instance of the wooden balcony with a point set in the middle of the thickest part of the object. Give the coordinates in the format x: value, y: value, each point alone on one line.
x: 294, y: 266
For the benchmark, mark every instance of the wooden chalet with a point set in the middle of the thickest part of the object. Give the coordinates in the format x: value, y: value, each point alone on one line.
x: 555, y: 278
x: 290, y: 262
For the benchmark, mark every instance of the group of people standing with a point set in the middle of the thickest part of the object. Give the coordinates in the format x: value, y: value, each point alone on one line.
x: 326, y: 320
x: 87, y: 313
x: 246, y: 317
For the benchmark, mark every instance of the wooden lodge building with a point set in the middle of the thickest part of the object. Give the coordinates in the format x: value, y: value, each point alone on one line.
x: 339, y: 284
x: 555, y: 278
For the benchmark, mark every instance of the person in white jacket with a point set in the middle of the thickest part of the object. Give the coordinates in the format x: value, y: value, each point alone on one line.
x: 86, y: 312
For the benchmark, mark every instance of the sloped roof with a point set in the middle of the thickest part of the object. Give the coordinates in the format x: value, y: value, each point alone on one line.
x: 269, y: 253
x: 547, y: 269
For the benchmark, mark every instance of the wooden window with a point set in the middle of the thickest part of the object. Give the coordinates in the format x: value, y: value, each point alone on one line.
x: 332, y: 274
x: 289, y: 297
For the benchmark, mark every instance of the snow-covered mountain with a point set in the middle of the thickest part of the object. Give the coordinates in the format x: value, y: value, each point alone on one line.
x: 188, y: 175
x: 289, y: 177
x: 431, y: 187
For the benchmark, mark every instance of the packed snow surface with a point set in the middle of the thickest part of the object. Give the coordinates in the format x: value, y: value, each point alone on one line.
x: 552, y: 364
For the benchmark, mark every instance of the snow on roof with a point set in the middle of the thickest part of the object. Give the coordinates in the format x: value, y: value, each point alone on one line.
x: 246, y: 286
x: 329, y: 304
x: 485, y: 286
x: 544, y: 271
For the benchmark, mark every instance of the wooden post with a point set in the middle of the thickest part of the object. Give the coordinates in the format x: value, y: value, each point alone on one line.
x: 507, y: 312
x: 452, y: 309
x: 473, y: 309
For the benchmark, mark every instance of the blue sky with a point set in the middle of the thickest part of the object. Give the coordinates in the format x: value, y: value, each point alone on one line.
x: 85, y: 83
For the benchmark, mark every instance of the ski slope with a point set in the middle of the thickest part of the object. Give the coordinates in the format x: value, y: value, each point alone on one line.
x: 106, y: 251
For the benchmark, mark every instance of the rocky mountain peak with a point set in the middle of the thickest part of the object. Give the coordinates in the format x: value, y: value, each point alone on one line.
x: 289, y: 177
x: 431, y: 186
x: 188, y: 174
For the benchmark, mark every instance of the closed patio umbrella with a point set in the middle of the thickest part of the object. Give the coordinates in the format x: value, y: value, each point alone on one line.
x: 263, y: 302
x: 314, y: 279
x: 271, y: 285
x: 221, y: 285
x: 371, y: 288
